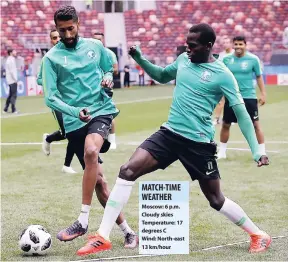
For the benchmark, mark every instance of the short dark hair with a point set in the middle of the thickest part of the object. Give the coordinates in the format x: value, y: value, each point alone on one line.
x: 66, y: 13
x: 9, y: 51
x: 98, y: 33
x: 52, y: 30
x: 207, y: 33
x: 239, y: 38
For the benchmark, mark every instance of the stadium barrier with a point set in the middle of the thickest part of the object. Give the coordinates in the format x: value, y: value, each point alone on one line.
x: 27, y: 86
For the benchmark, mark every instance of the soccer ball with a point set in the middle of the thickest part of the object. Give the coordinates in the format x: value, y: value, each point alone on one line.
x: 35, y: 240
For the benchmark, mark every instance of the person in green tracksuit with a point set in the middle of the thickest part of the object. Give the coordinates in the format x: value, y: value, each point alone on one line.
x: 187, y: 136
x: 74, y: 73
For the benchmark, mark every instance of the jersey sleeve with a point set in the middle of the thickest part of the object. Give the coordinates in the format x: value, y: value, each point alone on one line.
x: 257, y: 67
x: 53, y: 97
x: 113, y: 57
x: 39, y: 77
x: 230, y: 88
x: 160, y: 74
x: 105, y: 62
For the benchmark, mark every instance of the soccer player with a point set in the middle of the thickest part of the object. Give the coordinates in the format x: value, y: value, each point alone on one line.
x: 227, y: 50
x: 187, y: 136
x: 59, y: 134
x: 109, y: 91
x: 72, y: 73
x: 243, y: 66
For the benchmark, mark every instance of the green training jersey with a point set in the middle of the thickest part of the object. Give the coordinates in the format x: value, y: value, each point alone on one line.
x: 199, y: 87
x: 71, y: 78
x: 112, y: 55
x: 244, y: 68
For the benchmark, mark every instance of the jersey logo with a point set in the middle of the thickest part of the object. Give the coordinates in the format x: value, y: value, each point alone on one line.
x: 206, y: 76
x: 91, y: 54
x: 244, y: 65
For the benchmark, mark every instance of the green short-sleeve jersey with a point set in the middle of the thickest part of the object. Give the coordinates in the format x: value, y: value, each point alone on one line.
x: 244, y: 68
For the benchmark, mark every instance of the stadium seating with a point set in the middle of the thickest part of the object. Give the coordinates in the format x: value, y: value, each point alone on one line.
x: 27, y: 23
x: 160, y: 31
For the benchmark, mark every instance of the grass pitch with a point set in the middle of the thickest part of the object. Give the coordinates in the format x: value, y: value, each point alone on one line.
x: 34, y: 191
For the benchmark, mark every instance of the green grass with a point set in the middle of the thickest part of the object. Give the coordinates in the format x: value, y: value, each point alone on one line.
x: 34, y: 191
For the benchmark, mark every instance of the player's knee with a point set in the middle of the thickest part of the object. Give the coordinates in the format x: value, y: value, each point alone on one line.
x: 226, y: 126
x: 256, y: 126
x: 91, y: 155
x: 217, y: 202
x: 127, y: 173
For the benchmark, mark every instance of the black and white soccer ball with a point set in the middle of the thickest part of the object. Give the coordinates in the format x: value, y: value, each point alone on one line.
x: 35, y: 240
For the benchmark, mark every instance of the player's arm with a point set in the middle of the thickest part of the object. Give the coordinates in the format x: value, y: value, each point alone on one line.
x: 160, y: 74
x: 115, y: 63
x: 115, y: 69
x: 106, y: 65
x: 39, y: 77
x: 231, y: 91
x: 260, y: 82
x: 53, y: 97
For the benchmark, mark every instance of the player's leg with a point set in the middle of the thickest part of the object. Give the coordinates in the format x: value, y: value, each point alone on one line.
x: 218, y: 111
x: 156, y: 152
x: 260, y: 240
x: 68, y: 159
x: 200, y: 162
x: 103, y: 192
x: 228, y: 118
x: 260, y: 137
x: 47, y: 139
x: 112, y: 135
x: 252, y: 109
x: 80, y: 226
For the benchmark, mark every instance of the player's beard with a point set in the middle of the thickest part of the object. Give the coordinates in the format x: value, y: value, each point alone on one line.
x: 73, y: 43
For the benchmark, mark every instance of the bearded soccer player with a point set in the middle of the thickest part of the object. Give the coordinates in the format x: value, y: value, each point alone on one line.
x: 187, y: 136
x: 59, y: 134
x: 72, y: 74
x: 227, y: 50
x: 109, y: 91
x: 243, y: 65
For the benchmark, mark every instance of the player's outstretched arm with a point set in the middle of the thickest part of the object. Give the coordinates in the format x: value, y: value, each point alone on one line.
x: 247, y: 129
x: 53, y: 98
x: 160, y: 74
x: 231, y: 92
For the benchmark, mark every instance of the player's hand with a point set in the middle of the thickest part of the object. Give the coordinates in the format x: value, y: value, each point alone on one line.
x: 263, y: 161
x: 262, y: 99
x: 134, y: 51
x: 84, y: 115
x: 107, y: 83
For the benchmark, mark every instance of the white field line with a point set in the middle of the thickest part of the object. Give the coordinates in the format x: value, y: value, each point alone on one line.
x: 200, y: 250
x: 120, y: 103
x: 132, y: 143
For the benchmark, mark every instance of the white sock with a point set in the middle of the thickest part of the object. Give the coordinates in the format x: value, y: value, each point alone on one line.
x: 112, y: 138
x: 84, y: 215
x: 118, y: 198
x: 237, y: 215
x: 223, y: 147
x: 125, y: 228
x: 262, y: 149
